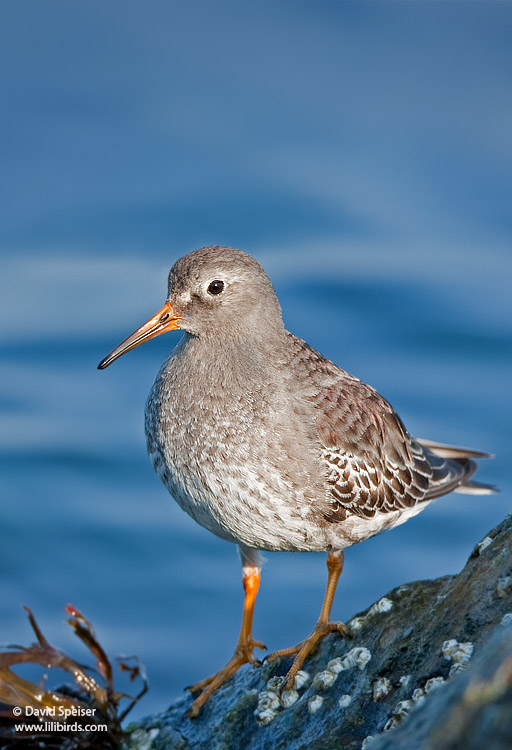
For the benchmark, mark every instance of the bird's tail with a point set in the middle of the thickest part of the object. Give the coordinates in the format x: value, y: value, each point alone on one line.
x: 461, y: 456
x: 476, y: 488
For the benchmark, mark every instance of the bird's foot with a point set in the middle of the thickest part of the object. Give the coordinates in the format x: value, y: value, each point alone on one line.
x: 304, y: 648
x: 243, y: 655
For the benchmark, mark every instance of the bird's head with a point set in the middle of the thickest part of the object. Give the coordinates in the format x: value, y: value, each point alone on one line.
x: 213, y: 292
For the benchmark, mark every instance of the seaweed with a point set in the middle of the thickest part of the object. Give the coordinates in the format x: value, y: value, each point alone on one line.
x: 80, y: 716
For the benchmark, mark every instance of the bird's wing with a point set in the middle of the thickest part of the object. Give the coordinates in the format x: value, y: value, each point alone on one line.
x: 372, y: 464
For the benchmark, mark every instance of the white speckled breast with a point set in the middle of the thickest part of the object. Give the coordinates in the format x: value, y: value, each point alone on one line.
x: 215, y: 437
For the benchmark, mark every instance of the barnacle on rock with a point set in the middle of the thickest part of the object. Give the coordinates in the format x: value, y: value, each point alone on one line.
x: 381, y: 688
x: 268, y: 699
x: 271, y: 700
x: 288, y: 698
x: 336, y: 665
x: 315, y: 703
x: 391, y: 723
x: 359, y: 656
x: 325, y: 679
x: 402, y: 708
x: 301, y: 679
x: 356, y: 623
x: 459, y: 653
x: 266, y: 716
x: 481, y: 546
x: 383, y: 605
x: 269, y: 703
x: 275, y: 683
x: 503, y: 586
x: 433, y: 684
x: 367, y: 742
x: 418, y: 696
x: 344, y: 700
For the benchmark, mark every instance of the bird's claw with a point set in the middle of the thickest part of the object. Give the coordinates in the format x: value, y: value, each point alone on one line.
x: 303, y: 649
x: 243, y: 655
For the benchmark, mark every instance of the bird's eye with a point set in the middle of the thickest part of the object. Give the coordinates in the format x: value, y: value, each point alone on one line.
x: 215, y: 287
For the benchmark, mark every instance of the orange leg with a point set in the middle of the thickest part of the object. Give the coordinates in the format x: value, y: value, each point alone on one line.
x: 244, y: 648
x: 323, y: 625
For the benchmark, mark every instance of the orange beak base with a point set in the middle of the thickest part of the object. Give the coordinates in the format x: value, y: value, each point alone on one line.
x: 165, y: 320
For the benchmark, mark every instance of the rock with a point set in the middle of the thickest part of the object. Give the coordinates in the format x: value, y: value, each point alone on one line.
x: 429, y: 666
x: 472, y: 712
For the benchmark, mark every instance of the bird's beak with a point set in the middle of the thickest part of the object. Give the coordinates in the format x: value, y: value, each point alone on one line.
x: 164, y: 320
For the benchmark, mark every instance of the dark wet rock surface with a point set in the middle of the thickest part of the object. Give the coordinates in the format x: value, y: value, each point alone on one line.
x: 429, y: 666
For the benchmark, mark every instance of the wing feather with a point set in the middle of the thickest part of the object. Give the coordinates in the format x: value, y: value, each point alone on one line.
x: 372, y: 464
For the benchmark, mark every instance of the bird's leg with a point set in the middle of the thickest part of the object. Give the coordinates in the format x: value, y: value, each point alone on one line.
x: 244, y: 648
x: 323, y: 625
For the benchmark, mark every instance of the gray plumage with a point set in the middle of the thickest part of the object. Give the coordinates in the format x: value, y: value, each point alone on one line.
x: 267, y: 443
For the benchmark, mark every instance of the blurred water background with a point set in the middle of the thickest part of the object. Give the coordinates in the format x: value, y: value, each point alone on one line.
x: 363, y: 152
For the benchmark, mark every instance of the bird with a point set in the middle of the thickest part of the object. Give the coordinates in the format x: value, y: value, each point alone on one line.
x: 268, y: 444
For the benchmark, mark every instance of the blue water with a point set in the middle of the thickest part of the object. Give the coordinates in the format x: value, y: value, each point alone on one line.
x: 372, y: 180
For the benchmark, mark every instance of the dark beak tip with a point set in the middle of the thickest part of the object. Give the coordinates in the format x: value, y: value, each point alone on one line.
x: 103, y: 364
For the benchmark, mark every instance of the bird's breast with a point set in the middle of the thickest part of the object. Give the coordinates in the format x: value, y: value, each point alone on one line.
x: 224, y: 456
